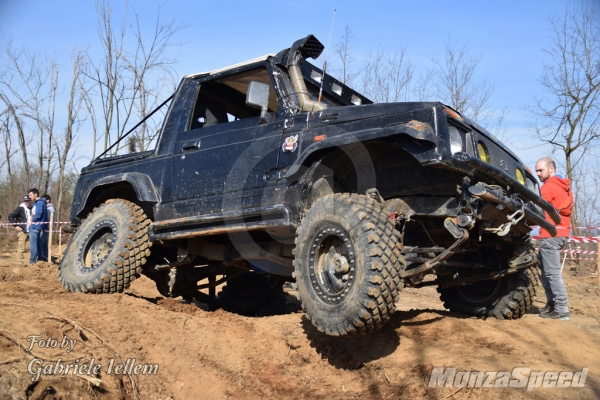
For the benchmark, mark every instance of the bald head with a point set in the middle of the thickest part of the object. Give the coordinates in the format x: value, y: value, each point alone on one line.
x: 545, y: 168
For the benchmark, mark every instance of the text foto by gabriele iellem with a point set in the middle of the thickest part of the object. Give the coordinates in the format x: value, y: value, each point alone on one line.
x: 38, y: 367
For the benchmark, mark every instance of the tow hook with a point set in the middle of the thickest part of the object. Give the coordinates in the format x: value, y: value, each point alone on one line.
x: 513, y: 219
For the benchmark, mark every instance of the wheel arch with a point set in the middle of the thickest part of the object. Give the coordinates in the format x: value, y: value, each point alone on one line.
x: 333, y: 170
x: 402, y: 135
x: 135, y: 187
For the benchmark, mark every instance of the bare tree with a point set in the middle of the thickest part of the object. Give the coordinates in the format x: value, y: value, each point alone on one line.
x: 587, y: 202
x: 8, y: 152
x: 106, y: 73
x: 423, y: 87
x: 343, y: 67
x: 400, y: 72
x: 49, y: 124
x: 89, y: 106
x: 387, y: 77
x: 28, y: 87
x: 20, y: 133
x: 152, y: 72
x: 64, y: 145
x: 496, y: 126
x: 372, y: 76
x: 458, y: 85
x: 568, y: 116
x: 129, y: 82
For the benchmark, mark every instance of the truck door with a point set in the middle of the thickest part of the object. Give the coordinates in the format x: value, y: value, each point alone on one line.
x: 225, y: 157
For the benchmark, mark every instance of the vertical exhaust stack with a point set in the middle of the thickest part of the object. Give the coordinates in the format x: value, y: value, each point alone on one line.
x: 309, y: 47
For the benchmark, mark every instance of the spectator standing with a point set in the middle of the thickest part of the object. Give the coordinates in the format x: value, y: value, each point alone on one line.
x: 51, y: 211
x: 557, y: 192
x: 21, y: 216
x: 38, y: 231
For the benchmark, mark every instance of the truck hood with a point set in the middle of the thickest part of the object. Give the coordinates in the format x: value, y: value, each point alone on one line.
x: 338, y: 115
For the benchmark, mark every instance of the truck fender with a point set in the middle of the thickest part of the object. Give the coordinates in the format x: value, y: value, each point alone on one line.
x: 418, y: 130
x: 141, y: 183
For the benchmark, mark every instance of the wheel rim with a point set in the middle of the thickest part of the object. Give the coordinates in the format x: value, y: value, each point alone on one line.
x: 97, y: 247
x: 332, y: 264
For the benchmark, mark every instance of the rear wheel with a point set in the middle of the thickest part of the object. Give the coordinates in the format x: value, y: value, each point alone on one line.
x: 108, y: 250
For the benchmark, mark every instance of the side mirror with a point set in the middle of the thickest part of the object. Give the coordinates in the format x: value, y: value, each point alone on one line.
x: 258, y: 97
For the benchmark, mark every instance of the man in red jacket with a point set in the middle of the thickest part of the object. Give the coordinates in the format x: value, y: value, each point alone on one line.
x: 557, y: 192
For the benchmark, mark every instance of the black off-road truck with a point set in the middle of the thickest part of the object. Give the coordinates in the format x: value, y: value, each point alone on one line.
x: 271, y: 171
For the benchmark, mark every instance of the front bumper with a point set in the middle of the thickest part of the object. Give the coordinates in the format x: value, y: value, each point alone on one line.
x: 487, y: 194
x: 534, y: 215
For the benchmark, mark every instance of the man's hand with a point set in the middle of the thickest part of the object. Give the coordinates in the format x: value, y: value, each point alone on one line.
x: 18, y: 228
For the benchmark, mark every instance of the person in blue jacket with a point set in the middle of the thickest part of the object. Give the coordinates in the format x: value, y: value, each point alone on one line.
x: 38, y: 231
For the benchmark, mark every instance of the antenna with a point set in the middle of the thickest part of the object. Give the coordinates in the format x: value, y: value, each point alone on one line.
x: 326, y: 54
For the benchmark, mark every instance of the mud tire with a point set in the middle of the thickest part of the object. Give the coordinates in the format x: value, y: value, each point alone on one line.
x: 360, y: 233
x: 511, y: 299
x: 108, y: 250
x: 251, y: 295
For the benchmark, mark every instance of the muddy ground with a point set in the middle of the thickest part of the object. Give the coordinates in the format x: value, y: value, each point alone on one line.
x: 219, y: 355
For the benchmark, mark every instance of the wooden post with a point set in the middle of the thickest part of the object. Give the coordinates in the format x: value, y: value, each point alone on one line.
x: 563, y: 262
x: 59, y: 243
x: 567, y: 254
x: 50, y: 237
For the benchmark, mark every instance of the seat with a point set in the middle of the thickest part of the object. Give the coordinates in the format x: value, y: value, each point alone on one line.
x: 208, y: 112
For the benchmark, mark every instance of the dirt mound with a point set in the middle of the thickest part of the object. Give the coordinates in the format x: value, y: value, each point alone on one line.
x: 182, y: 351
x: 25, y: 272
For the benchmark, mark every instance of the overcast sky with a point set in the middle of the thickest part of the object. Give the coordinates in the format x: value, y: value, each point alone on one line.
x: 508, y: 34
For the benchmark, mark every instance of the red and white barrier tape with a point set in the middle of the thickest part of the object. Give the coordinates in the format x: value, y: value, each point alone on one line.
x: 33, y: 223
x: 584, y: 239
x: 583, y: 228
x: 12, y: 232
x: 578, y: 254
x: 576, y: 251
x: 579, y: 251
x: 578, y: 239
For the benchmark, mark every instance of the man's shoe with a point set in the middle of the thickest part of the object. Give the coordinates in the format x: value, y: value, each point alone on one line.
x: 549, y: 307
x: 556, y: 315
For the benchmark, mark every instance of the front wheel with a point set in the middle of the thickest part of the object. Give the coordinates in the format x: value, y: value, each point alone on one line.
x: 347, y: 260
x: 108, y: 250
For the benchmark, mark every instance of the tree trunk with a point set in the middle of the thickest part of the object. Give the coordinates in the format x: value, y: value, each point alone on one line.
x: 22, y: 139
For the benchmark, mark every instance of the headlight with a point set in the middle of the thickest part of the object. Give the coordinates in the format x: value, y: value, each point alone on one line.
x: 482, y: 152
x: 456, y: 140
x: 520, y: 177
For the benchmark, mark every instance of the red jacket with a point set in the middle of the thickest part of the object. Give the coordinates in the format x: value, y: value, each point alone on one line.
x: 556, y: 191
